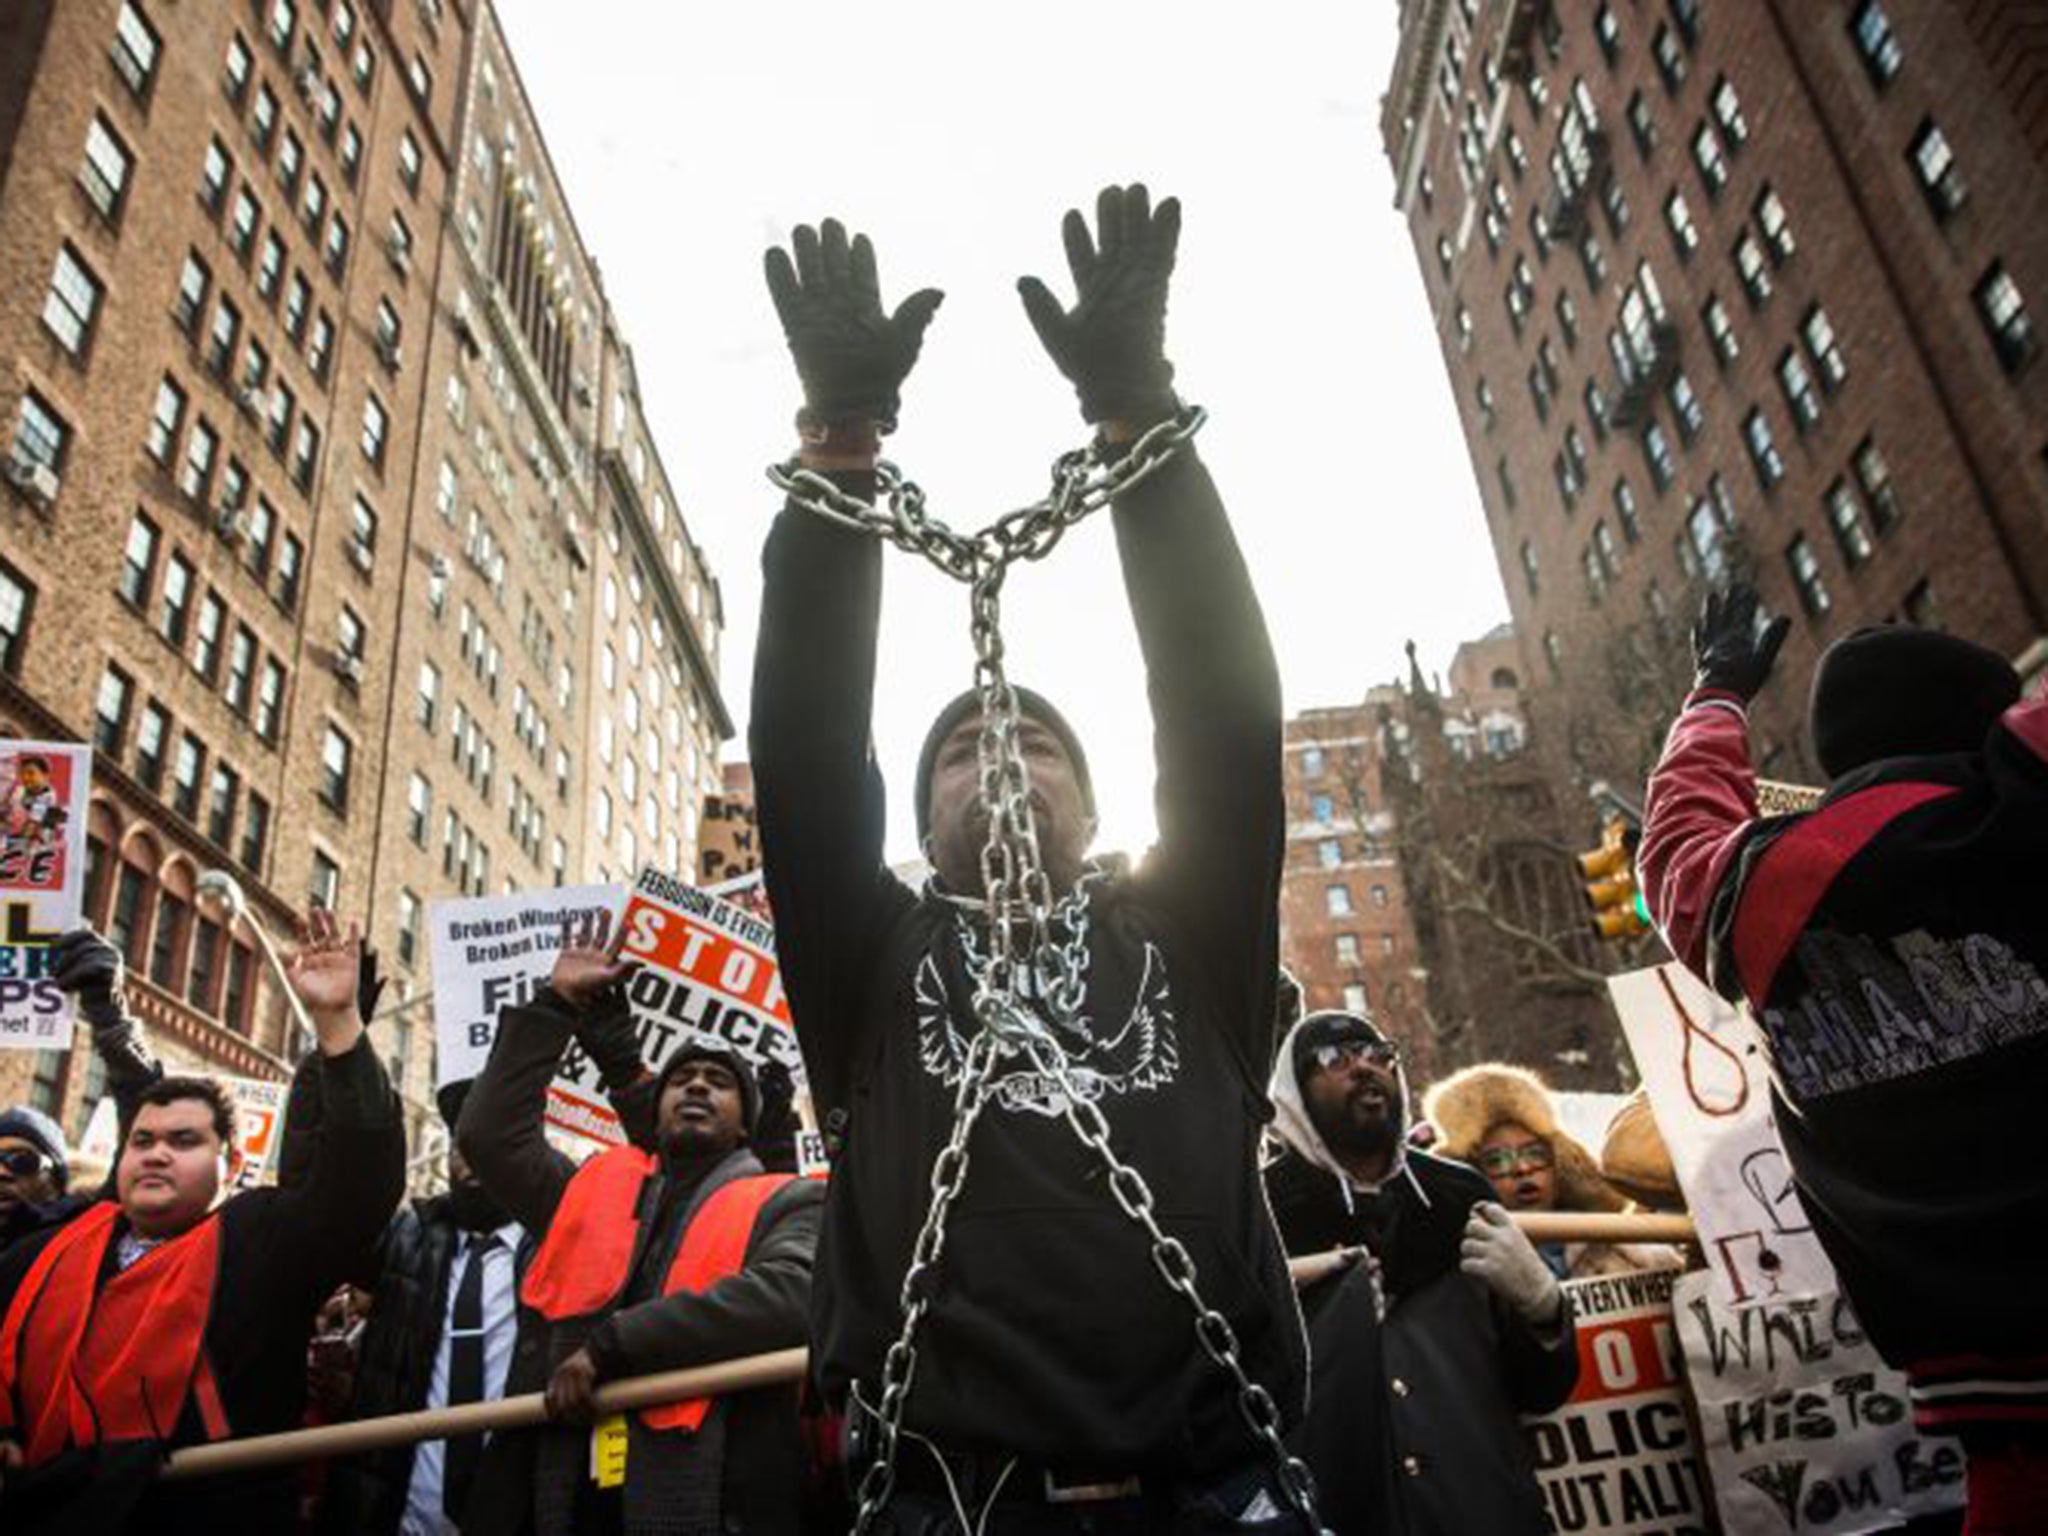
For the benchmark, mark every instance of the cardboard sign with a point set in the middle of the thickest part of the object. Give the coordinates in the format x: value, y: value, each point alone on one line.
x: 43, y: 787
x: 259, y: 1124
x: 1803, y: 1427
x: 1618, y: 1457
x: 490, y: 952
x: 1702, y: 1062
x: 708, y: 968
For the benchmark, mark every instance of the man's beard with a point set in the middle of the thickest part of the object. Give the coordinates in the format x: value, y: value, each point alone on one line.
x: 474, y: 1210
x: 1352, y: 1128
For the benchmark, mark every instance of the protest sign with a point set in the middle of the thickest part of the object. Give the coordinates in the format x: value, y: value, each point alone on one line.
x: 492, y: 951
x: 1618, y: 1457
x: 1802, y: 1426
x: 707, y: 967
x: 43, y: 788
x: 259, y: 1124
x: 1702, y: 1063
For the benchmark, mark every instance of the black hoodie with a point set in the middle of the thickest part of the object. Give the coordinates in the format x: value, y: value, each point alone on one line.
x: 1052, y: 1335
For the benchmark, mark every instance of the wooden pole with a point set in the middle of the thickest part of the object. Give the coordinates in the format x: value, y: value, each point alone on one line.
x: 784, y: 1365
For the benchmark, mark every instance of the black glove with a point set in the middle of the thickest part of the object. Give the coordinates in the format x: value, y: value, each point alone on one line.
x: 1112, y: 343
x: 369, y: 984
x: 851, y: 356
x: 90, y: 969
x: 1728, y: 652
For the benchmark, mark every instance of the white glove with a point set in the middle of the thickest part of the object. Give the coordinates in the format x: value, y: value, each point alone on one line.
x: 1496, y: 1252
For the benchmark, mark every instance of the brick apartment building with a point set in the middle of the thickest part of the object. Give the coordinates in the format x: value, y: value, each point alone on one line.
x: 331, y: 515
x: 1735, y: 286
x: 1429, y: 876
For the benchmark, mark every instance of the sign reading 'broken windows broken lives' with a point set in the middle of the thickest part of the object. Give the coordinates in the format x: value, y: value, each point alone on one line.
x: 1803, y: 1427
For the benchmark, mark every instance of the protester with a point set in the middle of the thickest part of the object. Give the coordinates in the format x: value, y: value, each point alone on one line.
x: 1502, y: 1120
x: 1476, y: 1330
x: 35, y: 1170
x: 164, y: 1317
x: 676, y: 1252
x: 439, y: 1332
x: 1059, y: 1385
x: 1636, y: 1161
x: 1893, y: 943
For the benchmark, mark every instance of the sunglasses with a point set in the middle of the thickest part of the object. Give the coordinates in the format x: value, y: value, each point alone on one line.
x: 23, y: 1162
x: 1500, y: 1162
x: 1342, y: 1053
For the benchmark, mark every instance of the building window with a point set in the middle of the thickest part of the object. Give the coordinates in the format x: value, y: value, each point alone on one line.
x: 1462, y: 320
x: 196, y: 473
x: 305, y: 455
x: 206, y: 636
x: 138, y: 561
x: 1727, y: 109
x: 1921, y: 608
x: 167, y: 943
x: 1670, y: 56
x: 193, y: 282
x: 186, y: 767
x: 1657, y: 455
x: 1311, y: 762
x: 1642, y: 124
x: 269, y: 701
x: 1322, y: 809
x: 1521, y: 294
x: 220, y: 340
x: 291, y: 160
x: 151, y: 732
x: 1879, y: 495
x: 221, y: 793
x: 1711, y: 163
x: 336, y: 754
x: 241, y: 669
x: 1871, y: 31
x: 1752, y: 268
x: 336, y: 251
x: 1553, y: 655
x: 1597, y: 409
x: 40, y: 435
x: 291, y: 557
x: 236, y: 70
x: 1330, y: 852
x: 1704, y: 546
x: 1763, y: 451
x: 1347, y: 949
x: 174, y: 611
x: 1823, y: 348
x: 1845, y: 517
x: 1775, y: 225
x: 242, y: 227
x: 324, y: 889
x: 351, y: 153
x: 1686, y: 409
x: 110, y: 711
x: 1686, y: 14
x: 73, y: 302
x: 1934, y: 167
x: 1337, y: 900
x: 376, y: 425
x: 213, y: 176
x: 1530, y: 573
x: 17, y: 603
x: 1482, y: 394
x: 1626, y: 511
x: 263, y: 118
x: 104, y: 174
x: 1801, y: 397
x: 408, y: 928
x: 1806, y: 578
x: 136, y: 50
x: 2004, y: 313
x: 409, y: 162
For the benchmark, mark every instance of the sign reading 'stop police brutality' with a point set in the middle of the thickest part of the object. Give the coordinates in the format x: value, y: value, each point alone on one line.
x: 492, y: 952
x: 42, y: 884
x: 706, y: 967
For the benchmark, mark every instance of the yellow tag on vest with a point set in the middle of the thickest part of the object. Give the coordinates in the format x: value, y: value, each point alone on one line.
x: 608, y: 1452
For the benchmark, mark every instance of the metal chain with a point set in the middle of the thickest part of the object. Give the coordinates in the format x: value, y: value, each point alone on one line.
x: 1019, y: 904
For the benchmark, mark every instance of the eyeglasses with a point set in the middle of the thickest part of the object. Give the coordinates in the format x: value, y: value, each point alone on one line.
x: 23, y: 1162
x: 1340, y: 1053
x: 1500, y: 1162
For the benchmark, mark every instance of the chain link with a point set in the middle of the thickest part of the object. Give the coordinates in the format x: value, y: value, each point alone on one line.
x: 1019, y: 906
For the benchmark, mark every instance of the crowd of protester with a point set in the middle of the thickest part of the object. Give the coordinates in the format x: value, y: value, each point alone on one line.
x: 1058, y: 1379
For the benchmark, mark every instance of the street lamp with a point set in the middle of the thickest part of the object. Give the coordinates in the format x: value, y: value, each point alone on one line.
x: 223, y: 891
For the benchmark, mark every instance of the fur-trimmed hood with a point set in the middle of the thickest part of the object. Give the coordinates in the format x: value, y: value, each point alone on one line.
x: 1469, y: 1103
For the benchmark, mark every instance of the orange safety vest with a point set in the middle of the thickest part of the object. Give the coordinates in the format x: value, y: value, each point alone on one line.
x: 82, y: 1362
x: 582, y: 1263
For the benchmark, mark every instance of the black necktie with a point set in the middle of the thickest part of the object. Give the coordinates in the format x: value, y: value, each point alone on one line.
x: 466, y: 1373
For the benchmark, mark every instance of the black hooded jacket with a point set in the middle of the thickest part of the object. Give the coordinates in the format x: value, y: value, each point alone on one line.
x: 1051, y: 1336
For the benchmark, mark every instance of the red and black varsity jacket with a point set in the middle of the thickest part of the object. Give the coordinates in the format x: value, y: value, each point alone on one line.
x: 1893, y: 944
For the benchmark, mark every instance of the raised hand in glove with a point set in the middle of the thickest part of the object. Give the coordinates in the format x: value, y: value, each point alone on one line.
x: 90, y: 969
x: 1729, y: 654
x: 851, y: 354
x: 1112, y: 343
x: 1496, y: 1252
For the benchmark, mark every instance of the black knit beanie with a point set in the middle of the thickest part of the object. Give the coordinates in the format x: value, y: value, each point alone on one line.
x: 1896, y: 691
x: 697, y: 1047
x: 967, y: 706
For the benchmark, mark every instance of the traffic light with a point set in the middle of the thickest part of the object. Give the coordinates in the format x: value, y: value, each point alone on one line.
x: 1619, y: 911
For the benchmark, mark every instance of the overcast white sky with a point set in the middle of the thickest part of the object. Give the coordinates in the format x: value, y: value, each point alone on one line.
x: 690, y: 136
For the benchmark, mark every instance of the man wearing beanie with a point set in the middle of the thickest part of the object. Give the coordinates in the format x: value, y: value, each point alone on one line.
x: 1058, y: 1385
x: 1893, y: 943
x: 1427, y: 1352
x: 673, y: 1250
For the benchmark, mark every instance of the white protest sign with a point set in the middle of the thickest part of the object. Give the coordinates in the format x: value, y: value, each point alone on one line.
x: 43, y: 788
x: 706, y: 967
x: 1804, y: 1428
x: 259, y: 1124
x: 490, y: 952
x: 1702, y: 1063
x: 1618, y: 1457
